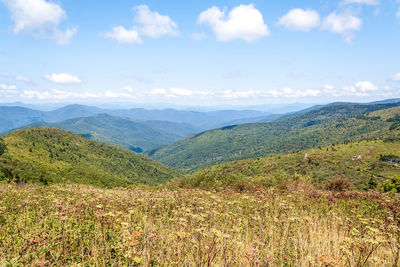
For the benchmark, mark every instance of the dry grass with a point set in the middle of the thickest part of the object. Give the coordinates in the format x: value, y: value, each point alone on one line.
x: 75, y: 224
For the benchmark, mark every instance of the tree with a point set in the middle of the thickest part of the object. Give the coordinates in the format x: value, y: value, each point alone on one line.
x: 3, y: 147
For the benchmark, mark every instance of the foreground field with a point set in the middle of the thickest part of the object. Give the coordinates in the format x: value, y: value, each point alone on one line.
x: 66, y: 225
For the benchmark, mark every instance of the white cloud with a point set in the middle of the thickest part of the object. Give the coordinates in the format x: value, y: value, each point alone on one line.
x: 149, y: 23
x: 300, y: 20
x: 330, y: 89
x: 290, y: 93
x: 177, y: 92
x: 396, y: 77
x: 240, y: 94
x: 366, y: 86
x: 363, y: 88
x: 364, y: 2
x: 63, y: 78
x: 243, y: 22
x: 56, y: 94
x: 158, y: 92
x: 285, y: 92
x: 198, y: 36
x: 398, y: 14
x: 63, y: 37
x: 182, y: 92
x: 122, y: 35
x: 344, y: 24
x: 5, y: 88
x: 21, y: 78
x: 128, y: 89
x: 40, y: 17
x: 153, y: 24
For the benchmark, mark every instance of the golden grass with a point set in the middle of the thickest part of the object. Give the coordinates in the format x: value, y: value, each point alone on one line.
x: 76, y: 224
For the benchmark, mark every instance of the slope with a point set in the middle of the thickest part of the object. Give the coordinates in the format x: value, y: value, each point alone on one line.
x: 49, y: 155
x: 367, y: 164
x: 137, y: 136
x: 322, y: 126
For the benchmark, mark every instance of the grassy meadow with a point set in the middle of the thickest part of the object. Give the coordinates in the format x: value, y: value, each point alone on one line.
x: 294, y: 225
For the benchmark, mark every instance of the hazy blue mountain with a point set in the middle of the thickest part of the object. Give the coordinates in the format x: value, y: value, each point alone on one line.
x: 202, y: 120
x: 16, y: 117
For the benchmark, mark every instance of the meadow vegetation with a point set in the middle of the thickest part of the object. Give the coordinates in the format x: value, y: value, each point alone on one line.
x: 295, y: 225
x: 365, y: 165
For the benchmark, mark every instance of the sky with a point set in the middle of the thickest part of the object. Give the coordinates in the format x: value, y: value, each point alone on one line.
x: 200, y: 53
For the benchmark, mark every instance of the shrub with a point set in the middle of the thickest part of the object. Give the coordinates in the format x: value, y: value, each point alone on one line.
x: 392, y: 185
x: 339, y: 185
x: 3, y: 147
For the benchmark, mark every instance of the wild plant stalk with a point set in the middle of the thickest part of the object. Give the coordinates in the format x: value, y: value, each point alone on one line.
x: 71, y: 224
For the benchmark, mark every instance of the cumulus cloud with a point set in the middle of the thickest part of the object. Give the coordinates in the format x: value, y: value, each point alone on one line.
x: 148, y: 23
x: 63, y: 78
x: 363, y: 88
x: 363, y: 2
x: 122, y: 35
x: 396, y: 77
x: 154, y: 25
x: 242, y: 22
x: 300, y: 20
x: 342, y: 23
x: 40, y: 17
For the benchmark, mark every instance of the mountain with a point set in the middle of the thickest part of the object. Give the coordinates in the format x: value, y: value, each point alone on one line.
x: 13, y: 117
x: 71, y: 111
x: 48, y: 155
x: 137, y: 136
x: 201, y: 120
x: 16, y: 117
x: 367, y: 164
x: 334, y: 123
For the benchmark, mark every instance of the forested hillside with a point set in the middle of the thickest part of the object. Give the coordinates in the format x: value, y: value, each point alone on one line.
x: 361, y: 165
x: 48, y: 155
x: 137, y: 136
x: 331, y: 124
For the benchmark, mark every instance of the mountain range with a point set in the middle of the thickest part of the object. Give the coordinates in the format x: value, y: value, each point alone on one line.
x: 318, y: 126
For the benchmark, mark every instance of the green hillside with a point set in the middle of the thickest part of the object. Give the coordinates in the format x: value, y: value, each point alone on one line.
x: 335, y: 123
x: 367, y: 164
x: 48, y: 155
x: 137, y: 136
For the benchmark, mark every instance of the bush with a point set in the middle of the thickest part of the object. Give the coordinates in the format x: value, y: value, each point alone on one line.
x: 392, y: 185
x: 339, y: 185
x: 3, y: 147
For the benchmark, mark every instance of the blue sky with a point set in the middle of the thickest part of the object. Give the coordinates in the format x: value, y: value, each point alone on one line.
x: 199, y: 52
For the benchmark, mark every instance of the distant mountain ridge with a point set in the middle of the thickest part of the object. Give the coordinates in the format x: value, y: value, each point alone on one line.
x: 319, y: 126
x: 13, y: 117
